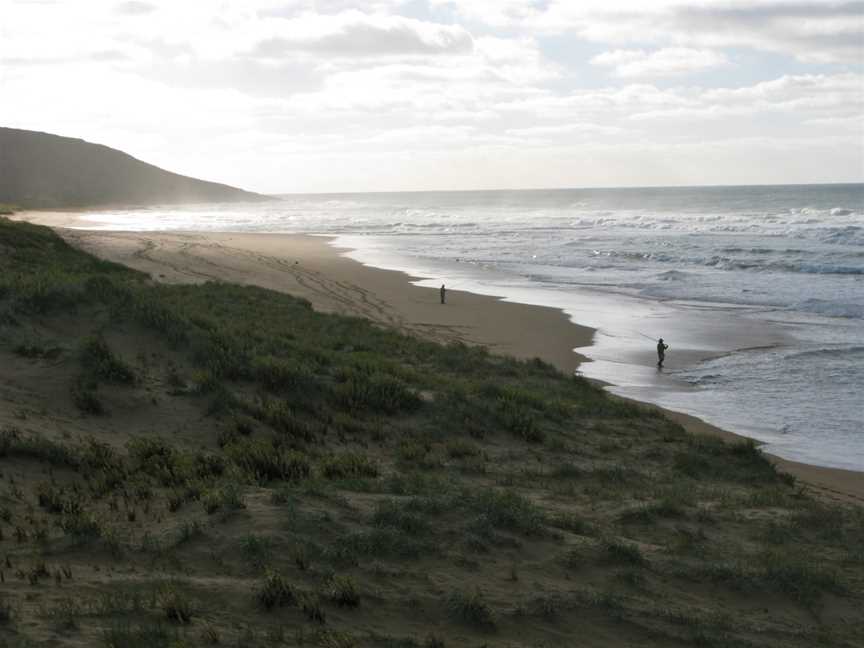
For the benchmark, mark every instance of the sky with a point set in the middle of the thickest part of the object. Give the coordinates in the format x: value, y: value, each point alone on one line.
x: 392, y: 95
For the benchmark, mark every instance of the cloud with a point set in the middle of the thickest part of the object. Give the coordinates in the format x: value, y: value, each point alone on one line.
x: 784, y: 106
x: 802, y: 97
x: 294, y: 8
x: 600, y: 104
x: 135, y: 8
x: 564, y: 129
x: 669, y: 61
x: 341, y: 94
x: 499, y: 13
x: 353, y: 33
x: 816, y: 31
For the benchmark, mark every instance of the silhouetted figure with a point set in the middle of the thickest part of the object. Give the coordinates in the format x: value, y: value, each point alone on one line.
x: 443, y: 293
x: 661, y: 352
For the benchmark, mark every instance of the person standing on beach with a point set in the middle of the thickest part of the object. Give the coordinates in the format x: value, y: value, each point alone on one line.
x: 443, y: 293
x: 661, y: 352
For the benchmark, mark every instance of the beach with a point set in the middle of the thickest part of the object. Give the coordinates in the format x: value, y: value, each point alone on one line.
x: 240, y: 430
x: 309, y: 267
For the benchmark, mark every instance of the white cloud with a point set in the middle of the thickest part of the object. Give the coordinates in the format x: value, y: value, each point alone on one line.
x: 135, y: 8
x: 600, y: 103
x: 342, y: 94
x: 565, y: 129
x: 806, y: 97
x: 669, y: 61
x: 499, y: 13
x: 353, y: 33
x: 824, y: 31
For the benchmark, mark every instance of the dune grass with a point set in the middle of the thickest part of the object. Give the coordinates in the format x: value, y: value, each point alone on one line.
x: 250, y: 465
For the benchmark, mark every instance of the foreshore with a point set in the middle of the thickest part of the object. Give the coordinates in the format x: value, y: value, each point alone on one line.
x: 307, y: 266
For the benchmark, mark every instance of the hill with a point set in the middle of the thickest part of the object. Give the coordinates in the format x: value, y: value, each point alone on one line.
x: 214, y: 464
x: 39, y: 171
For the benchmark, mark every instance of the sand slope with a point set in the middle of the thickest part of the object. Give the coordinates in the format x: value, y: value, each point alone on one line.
x: 307, y: 266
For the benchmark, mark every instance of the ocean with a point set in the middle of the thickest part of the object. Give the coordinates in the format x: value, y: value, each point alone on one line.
x: 758, y: 290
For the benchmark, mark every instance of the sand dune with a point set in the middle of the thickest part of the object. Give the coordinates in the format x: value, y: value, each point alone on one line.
x: 307, y: 266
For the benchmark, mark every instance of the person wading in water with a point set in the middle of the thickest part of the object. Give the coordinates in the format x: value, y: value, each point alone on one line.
x: 661, y: 352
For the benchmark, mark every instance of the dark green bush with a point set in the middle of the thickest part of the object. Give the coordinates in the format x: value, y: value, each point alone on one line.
x: 471, y: 609
x: 348, y: 465
x: 265, y: 460
x: 375, y: 392
x: 102, y: 363
x: 275, y: 591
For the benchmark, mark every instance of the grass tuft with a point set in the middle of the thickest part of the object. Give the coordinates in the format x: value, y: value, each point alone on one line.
x: 471, y: 608
x: 275, y: 591
x: 343, y: 591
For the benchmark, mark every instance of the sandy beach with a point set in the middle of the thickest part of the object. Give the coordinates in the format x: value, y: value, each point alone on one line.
x: 307, y: 266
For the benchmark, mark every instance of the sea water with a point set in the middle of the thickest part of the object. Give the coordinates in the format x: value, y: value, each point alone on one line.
x: 758, y: 290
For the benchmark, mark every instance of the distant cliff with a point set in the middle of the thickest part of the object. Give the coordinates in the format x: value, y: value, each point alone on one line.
x: 38, y: 170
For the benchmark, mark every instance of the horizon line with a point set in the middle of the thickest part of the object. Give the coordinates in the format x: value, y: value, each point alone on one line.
x: 584, y: 188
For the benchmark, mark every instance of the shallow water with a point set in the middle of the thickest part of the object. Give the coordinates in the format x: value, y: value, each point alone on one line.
x: 758, y: 290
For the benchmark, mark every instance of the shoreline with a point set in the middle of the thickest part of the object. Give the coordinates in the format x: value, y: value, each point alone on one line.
x: 308, y: 266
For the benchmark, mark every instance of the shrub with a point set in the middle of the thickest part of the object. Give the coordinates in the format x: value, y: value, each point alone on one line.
x: 243, y: 425
x: 796, y: 574
x: 85, y: 398
x: 471, y: 609
x: 623, y: 553
x: 35, y: 446
x: 647, y: 513
x: 6, y: 613
x: 9, y: 438
x: 519, y: 419
x: 125, y: 635
x: 155, y: 457
x: 257, y: 550
x: 459, y: 449
x: 190, y: 531
x: 378, y: 543
x: 80, y: 525
x: 275, y: 591
x: 175, y: 604
x: 510, y: 510
x: 712, y: 458
x: 265, y: 461
x: 96, y: 456
x: 311, y: 607
x: 36, y: 350
x: 102, y: 363
x: 395, y: 515
x: 416, y: 452
x: 284, y: 375
x: 343, y: 592
x: 376, y: 392
x: 53, y: 499
x: 228, y: 497
x: 348, y: 465
x: 281, y: 417
x: 209, y: 465
x: 572, y: 523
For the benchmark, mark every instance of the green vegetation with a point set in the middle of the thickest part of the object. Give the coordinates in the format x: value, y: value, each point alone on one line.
x: 471, y: 609
x: 275, y: 591
x: 217, y: 464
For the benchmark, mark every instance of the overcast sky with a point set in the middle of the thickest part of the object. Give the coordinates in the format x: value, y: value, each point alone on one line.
x: 337, y: 95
